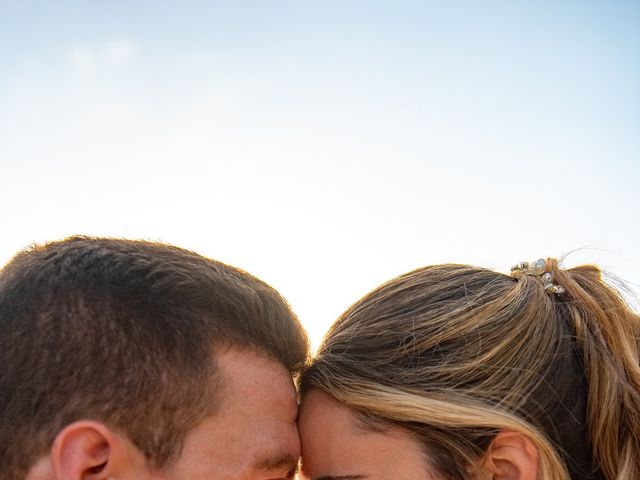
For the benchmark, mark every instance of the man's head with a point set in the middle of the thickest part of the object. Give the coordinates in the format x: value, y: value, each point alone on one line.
x: 136, y: 354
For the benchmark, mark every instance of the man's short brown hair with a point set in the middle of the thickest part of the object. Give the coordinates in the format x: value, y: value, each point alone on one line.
x: 124, y: 332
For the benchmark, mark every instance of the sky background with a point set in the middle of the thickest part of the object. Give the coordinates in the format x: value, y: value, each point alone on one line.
x: 326, y: 146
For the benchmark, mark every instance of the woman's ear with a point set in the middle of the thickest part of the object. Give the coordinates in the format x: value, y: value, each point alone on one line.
x: 88, y: 450
x: 512, y: 456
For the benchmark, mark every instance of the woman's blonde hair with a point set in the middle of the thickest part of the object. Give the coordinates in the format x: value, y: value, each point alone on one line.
x: 456, y: 353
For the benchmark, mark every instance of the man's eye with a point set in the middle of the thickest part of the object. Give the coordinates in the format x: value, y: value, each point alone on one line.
x: 291, y: 475
x: 288, y: 476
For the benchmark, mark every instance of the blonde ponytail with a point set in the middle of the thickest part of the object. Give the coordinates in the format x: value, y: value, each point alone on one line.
x: 607, y: 330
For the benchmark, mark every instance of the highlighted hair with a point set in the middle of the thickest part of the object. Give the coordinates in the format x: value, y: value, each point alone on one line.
x: 456, y: 353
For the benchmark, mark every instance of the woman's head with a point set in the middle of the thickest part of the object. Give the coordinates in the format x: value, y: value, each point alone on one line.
x: 458, y: 357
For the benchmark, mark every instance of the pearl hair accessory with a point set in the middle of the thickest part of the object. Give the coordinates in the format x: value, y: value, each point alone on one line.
x: 539, y: 268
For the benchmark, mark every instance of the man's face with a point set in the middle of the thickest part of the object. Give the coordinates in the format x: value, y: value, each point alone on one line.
x: 253, y: 436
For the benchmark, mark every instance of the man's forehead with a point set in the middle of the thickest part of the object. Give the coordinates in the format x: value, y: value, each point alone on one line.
x: 256, y: 382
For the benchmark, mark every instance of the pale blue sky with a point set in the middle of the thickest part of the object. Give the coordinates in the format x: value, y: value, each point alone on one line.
x: 326, y: 146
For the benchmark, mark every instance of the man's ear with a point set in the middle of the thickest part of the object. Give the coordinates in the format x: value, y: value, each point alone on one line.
x: 512, y: 456
x: 88, y: 450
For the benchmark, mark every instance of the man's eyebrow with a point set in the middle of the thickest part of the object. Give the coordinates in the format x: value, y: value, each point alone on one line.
x: 341, y: 477
x: 277, y: 461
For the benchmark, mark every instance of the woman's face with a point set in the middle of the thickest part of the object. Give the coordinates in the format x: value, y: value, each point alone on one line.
x: 336, y: 447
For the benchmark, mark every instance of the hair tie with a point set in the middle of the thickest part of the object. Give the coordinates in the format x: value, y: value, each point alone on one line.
x: 539, y: 268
